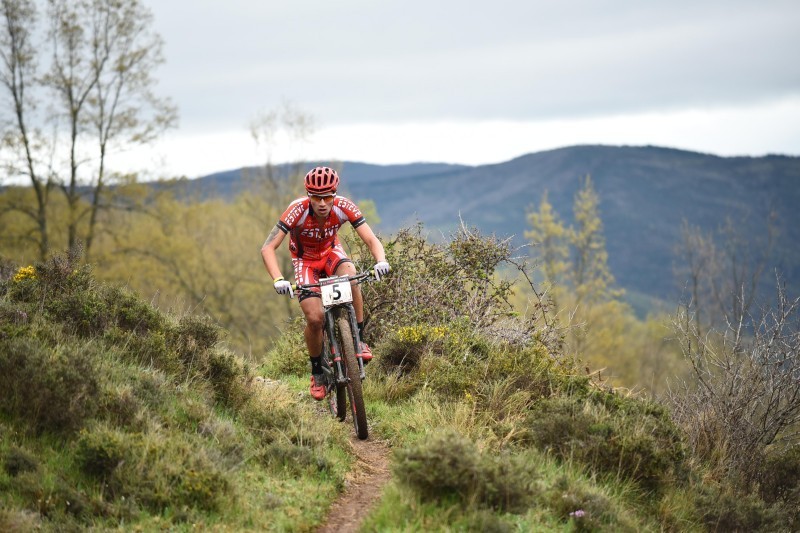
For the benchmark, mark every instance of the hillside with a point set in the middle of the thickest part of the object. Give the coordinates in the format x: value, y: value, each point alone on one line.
x: 115, y: 416
x: 645, y: 193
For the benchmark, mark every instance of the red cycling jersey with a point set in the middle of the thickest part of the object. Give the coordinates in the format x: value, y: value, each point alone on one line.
x: 310, y: 239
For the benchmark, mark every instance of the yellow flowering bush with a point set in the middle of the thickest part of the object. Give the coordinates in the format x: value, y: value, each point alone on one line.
x: 27, y: 272
x: 420, y: 333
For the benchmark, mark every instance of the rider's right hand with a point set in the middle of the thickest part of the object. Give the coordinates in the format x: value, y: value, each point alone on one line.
x: 282, y: 286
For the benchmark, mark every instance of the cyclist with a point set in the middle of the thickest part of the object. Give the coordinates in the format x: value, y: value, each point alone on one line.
x: 312, y: 223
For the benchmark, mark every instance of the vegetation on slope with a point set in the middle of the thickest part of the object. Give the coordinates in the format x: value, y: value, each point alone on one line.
x: 117, y: 416
x: 114, y: 415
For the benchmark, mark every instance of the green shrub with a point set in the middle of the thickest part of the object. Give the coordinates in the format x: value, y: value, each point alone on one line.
x: 586, y: 510
x: 149, y: 350
x: 275, y: 418
x: 780, y: 483
x: 15, y: 321
x: 19, y: 520
x: 447, y: 465
x: 482, y: 521
x: 401, y: 351
x: 156, y: 471
x: 100, y: 451
x: 131, y: 313
x: 54, y: 498
x: 7, y: 270
x: 21, y: 285
x: 17, y: 460
x: 440, y: 283
x: 52, y: 390
x: 194, y: 340
x: 228, y: 376
x: 60, y: 276
x: 725, y: 510
x: 83, y: 312
x: 292, y: 458
x: 633, y: 439
x: 193, y: 336
x: 119, y: 404
x: 450, y: 360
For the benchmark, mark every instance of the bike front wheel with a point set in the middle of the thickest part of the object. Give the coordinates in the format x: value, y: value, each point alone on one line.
x: 353, y: 387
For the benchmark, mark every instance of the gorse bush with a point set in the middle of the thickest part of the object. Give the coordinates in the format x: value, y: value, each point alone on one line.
x: 436, y: 284
x: 585, y: 509
x: 448, y: 466
x: 54, y: 390
x: 157, y: 470
x: 131, y: 312
x: 613, y: 436
x: 17, y: 460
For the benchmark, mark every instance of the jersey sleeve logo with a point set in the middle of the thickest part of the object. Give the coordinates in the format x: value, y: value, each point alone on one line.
x: 350, y: 209
x: 293, y: 213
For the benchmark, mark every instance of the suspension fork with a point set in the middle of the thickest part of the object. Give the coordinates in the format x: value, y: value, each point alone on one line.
x: 351, y: 314
x: 336, y: 351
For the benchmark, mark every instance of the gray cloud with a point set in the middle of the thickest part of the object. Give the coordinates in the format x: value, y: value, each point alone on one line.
x: 357, y: 60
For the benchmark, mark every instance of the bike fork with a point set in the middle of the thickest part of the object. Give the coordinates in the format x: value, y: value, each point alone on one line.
x: 336, y: 352
x: 351, y: 314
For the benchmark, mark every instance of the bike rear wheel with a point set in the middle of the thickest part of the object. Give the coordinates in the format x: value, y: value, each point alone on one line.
x: 353, y: 387
x: 337, y: 396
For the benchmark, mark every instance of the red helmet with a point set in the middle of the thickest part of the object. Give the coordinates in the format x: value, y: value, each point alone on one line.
x: 322, y: 181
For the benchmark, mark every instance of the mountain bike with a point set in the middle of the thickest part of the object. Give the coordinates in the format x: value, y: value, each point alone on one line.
x: 343, y: 371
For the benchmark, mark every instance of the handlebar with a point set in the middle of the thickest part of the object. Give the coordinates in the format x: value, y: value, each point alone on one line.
x: 361, y: 277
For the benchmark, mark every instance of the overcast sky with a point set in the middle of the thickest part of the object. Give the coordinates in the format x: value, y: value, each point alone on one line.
x: 476, y: 82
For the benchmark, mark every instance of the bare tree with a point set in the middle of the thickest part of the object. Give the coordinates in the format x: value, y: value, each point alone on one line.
x: 723, y: 272
x: 745, y: 395
x: 21, y: 141
x: 102, y: 54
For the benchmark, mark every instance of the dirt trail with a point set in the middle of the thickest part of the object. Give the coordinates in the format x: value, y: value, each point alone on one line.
x: 364, y: 485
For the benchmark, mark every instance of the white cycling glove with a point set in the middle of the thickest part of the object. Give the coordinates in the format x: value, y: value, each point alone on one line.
x: 283, y: 287
x: 381, y: 269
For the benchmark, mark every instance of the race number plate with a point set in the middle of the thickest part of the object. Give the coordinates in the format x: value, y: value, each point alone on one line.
x: 335, y: 291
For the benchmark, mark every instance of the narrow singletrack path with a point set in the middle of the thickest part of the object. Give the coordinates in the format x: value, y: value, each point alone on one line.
x: 363, y: 486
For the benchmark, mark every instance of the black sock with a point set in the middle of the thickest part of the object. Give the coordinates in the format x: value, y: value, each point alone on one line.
x: 361, y: 330
x: 316, y: 364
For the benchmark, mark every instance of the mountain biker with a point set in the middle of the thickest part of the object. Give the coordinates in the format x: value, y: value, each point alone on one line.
x: 312, y: 223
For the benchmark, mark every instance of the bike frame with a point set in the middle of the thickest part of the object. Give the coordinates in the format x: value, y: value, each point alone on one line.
x: 335, y: 355
x: 340, y: 363
x: 334, y: 352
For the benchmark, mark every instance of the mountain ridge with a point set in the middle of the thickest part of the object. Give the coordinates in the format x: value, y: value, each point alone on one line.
x: 645, y: 194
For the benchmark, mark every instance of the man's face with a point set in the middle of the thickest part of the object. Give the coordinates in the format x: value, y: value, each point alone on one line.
x: 321, y: 204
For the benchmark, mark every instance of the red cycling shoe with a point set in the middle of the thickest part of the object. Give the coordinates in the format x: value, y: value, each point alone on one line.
x: 366, y: 353
x: 317, y: 388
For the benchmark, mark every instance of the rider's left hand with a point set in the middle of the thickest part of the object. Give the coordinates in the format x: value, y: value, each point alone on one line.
x: 381, y: 269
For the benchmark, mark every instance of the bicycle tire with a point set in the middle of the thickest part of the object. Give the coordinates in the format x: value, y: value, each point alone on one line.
x: 338, y: 402
x: 354, y: 392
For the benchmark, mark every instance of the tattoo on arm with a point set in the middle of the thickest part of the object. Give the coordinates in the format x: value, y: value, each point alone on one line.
x: 272, y: 235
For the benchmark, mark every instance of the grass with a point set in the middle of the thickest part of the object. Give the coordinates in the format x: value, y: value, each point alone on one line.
x: 117, y: 417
